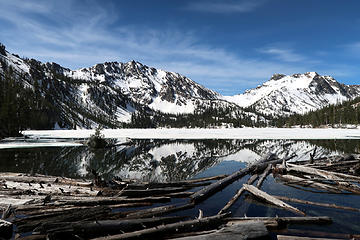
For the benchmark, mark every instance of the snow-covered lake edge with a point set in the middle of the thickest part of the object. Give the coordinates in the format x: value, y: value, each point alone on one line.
x: 201, y: 133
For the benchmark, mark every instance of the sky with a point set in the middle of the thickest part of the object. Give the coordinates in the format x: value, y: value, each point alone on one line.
x: 226, y: 45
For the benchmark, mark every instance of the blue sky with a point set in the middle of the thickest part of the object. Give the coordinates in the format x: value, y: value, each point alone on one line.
x: 225, y: 45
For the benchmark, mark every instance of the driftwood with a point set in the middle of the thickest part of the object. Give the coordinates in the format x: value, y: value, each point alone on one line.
x: 243, y: 231
x: 237, y: 195
x: 326, y: 174
x: 308, y: 183
x: 287, y: 237
x: 102, y: 228
x: 268, y: 198
x: 263, y: 176
x: 168, y: 229
x: 287, y: 199
x: 217, y: 186
x: 320, y: 234
x: 281, y: 221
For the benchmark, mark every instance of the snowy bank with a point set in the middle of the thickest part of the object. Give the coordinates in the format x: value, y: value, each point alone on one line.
x: 200, y: 133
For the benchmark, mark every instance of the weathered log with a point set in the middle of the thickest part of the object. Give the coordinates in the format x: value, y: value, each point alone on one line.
x: 151, y: 192
x: 29, y: 223
x: 292, y: 237
x: 287, y: 199
x: 102, y: 228
x: 7, y: 212
x: 168, y: 229
x: 109, y: 201
x: 152, y: 212
x: 243, y: 231
x: 263, y: 176
x: 320, y: 234
x: 284, y: 220
x: 326, y: 174
x: 237, y: 195
x: 219, y: 185
x: 308, y: 183
x: 268, y: 198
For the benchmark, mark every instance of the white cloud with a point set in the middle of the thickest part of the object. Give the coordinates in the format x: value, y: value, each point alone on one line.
x: 239, y: 6
x: 80, y: 39
x: 283, y: 54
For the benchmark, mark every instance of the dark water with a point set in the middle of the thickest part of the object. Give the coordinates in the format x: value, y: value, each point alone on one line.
x: 171, y: 160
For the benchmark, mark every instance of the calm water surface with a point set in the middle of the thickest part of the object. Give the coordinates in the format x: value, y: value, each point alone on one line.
x: 171, y: 160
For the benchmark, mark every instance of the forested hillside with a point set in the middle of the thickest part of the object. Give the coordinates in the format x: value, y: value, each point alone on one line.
x: 333, y: 115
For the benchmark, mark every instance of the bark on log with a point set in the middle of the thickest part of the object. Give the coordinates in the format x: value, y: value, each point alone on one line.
x: 268, y: 198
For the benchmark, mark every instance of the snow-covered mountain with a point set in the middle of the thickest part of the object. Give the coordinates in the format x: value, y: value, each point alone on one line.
x: 284, y: 95
x: 110, y: 92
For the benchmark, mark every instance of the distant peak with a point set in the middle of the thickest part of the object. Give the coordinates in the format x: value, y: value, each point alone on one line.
x: 277, y: 76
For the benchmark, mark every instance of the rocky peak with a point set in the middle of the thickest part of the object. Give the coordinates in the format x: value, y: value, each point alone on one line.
x: 277, y: 76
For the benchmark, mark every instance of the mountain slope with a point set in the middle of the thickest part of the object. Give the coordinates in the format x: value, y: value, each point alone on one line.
x: 110, y: 93
x: 296, y: 94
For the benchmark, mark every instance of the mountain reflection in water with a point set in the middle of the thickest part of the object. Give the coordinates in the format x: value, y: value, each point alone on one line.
x: 160, y: 160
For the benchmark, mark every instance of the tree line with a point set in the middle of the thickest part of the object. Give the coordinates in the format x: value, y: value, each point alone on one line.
x: 333, y: 115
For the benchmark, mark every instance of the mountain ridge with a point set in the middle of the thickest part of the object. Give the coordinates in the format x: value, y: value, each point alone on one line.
x: 285, y: 95
x: 111, y: 93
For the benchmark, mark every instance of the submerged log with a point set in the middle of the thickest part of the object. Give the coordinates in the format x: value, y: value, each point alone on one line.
x: 219, y: 185
x: 263, y: 176
x: 168, y: 229
x: 237, y: 195
x: 287, y: 199
x: 268, y: 198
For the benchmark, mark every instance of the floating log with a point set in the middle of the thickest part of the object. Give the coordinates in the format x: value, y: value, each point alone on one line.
x: 237, y: 195
x: 102, y: 227
x: 268, y: 198
x: 283, y: 220
x: 243, y: 231
x: 287, y: 199
x: 308, y: 183
x: 151, y: 192
x: 168, y: 229
x: 217, y: 186
x: 263, y: 176
x: 107, y: 201
x: 326, y: 174
x: 287, y: 237
x: 320, y: 234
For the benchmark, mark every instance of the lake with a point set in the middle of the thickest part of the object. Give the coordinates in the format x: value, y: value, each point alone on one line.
x: 163, y: 160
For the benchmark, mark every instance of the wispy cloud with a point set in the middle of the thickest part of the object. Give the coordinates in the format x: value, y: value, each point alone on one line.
x: 239, y: 6
x: 283, y: 54
x: 79, y: 38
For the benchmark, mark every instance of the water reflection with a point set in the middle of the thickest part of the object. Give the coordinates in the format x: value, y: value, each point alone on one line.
x: 160, y: 160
